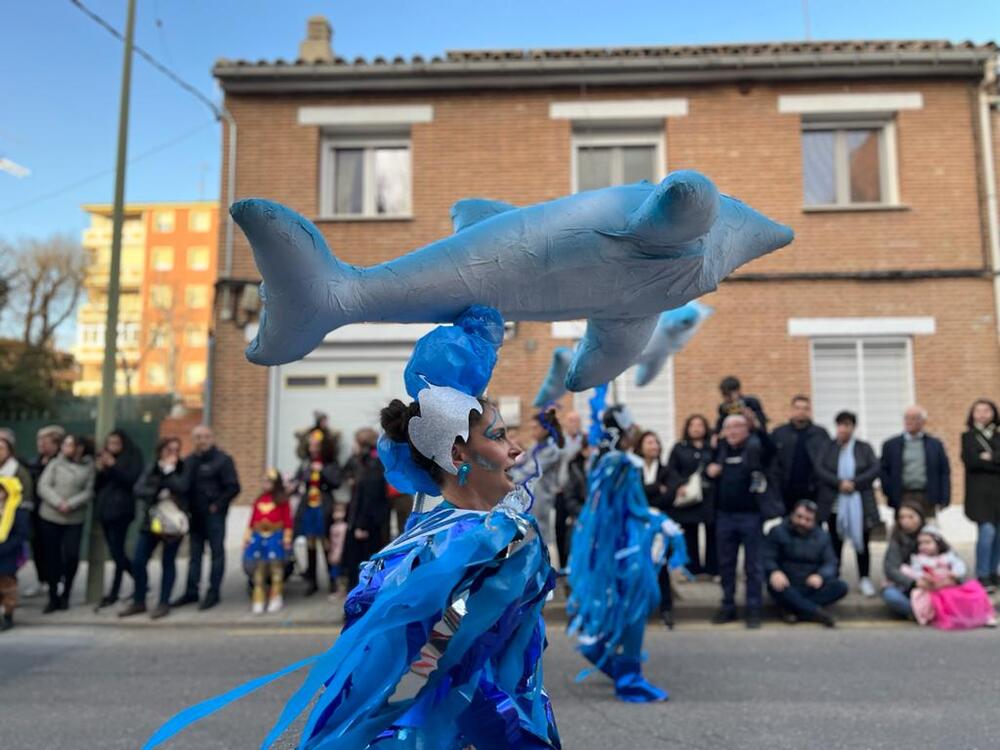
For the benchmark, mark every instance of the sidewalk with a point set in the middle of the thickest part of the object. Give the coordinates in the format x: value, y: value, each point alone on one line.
x: 695, y: 601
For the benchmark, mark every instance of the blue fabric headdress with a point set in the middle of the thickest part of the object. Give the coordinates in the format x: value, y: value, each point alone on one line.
x: 448, y: 363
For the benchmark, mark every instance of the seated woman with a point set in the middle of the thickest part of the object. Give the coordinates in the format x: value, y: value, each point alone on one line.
x: 443, y: 636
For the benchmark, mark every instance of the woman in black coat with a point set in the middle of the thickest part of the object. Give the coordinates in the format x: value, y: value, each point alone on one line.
x: 692, y: 454
x: 164, y: 478
x: 832, y: 487
x: 368, y: 512
x: 981, y: 456
x: 118, y: 467
x: 654, y: 482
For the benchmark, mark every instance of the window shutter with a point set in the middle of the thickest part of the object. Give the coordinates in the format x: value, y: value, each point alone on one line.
x: 886, y: 389
x: 869, y: 377
x: 835, y: 380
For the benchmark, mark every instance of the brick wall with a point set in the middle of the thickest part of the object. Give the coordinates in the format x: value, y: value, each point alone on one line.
x: 503, y: 145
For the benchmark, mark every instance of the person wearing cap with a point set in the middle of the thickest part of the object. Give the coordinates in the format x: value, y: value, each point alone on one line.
x: 800, y: 567
x: 47, y: 442
x: 65, y: 490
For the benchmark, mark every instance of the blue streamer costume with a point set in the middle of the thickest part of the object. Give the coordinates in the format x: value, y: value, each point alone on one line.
x: 443, y: 636
x: 613, y: 573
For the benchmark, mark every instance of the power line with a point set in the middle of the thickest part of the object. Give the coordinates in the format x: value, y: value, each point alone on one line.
x: 191, y: 89
x: 83, y: 181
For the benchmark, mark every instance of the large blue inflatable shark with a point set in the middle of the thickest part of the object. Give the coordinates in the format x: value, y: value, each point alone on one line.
x: 617, y: 256
x: 673, y: 331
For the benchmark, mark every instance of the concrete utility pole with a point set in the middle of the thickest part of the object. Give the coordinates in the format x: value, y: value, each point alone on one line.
x: 106, y: 401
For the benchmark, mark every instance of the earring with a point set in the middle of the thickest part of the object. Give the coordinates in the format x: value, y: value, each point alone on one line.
x: 463, y: 474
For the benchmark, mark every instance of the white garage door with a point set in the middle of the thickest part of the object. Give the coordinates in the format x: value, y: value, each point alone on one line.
x: 350, y: 377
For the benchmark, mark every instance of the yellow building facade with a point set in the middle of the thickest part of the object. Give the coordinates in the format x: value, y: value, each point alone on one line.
x: 166, y: 287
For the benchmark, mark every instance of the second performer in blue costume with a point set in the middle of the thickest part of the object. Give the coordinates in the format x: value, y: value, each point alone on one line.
x: 619, y: 544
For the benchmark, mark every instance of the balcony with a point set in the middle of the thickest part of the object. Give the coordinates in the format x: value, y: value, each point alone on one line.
x: 101, y: 236
x: 99, y: 276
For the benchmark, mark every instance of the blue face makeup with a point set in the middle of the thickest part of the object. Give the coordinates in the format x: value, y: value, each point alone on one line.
x: 496, y: 429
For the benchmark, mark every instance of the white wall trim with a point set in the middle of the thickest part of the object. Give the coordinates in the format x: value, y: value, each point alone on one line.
x: 569, y: 329
x: 379, y: 333
x: 888, y: 326
x: 822, y: 104
x: 390, y: 114
x: 618, y: 109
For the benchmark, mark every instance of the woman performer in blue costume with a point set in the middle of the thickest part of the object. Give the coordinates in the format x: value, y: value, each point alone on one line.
x: 614, y: 562
x: 443, y: 636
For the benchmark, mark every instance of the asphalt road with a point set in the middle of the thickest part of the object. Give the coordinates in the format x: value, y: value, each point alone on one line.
x: 798, y: 687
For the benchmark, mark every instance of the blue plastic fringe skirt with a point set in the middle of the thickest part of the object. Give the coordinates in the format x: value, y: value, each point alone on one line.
x: 441, y: 648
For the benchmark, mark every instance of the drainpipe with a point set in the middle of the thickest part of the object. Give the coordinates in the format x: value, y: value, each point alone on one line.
x: 986, y: 102
x: 227, y: 264
x: 225, y: 305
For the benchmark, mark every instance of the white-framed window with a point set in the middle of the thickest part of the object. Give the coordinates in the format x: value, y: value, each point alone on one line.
x: 365, y: 177
x: 603, y: 158
x: 156, y: 374
x: 163, y: 258
x: 196, y: 296
x: 161, y: 296
x: 92, y: 334
x: 870, y: 376
x: 195, y: 335
x: 194, y: 373
x: 198, y: 258
x: 849, y: 163
x: 164, y: 221
x: 128, y: 334
x: 199, y: 220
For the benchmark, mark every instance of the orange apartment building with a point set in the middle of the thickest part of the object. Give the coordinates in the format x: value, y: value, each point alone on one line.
x: 168, y: 268
x: 881, y: 155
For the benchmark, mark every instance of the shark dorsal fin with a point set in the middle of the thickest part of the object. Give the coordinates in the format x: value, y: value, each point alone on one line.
x: 469, y: 211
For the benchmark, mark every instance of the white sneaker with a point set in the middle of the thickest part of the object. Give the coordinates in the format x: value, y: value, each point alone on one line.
x: 257, y: 608
x: 276, y: 604
x: 867, y: 587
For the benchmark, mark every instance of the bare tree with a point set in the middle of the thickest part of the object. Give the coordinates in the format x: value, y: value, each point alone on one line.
x: 47, y: 285
x: 7, y: 274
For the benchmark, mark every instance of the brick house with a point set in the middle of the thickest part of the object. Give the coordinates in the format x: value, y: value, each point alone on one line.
x: 875, y: 152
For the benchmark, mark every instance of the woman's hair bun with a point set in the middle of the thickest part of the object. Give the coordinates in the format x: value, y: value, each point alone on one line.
x: 395, y: 418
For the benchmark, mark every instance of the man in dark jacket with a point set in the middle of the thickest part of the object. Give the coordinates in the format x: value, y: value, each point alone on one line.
x: 915, y: 466
x: 741, y: 460
x: 800, y: 567
x: 212, y: 483
x: 798, y: 444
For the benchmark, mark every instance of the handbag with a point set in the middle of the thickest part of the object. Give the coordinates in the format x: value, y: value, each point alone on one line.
x: 166, y: 519
x: 693, y: 492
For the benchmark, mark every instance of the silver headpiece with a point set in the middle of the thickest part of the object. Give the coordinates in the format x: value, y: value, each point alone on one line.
x: 444, y: 416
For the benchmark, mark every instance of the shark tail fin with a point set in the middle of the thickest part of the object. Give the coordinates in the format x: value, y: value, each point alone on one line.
x: 306, y: 291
